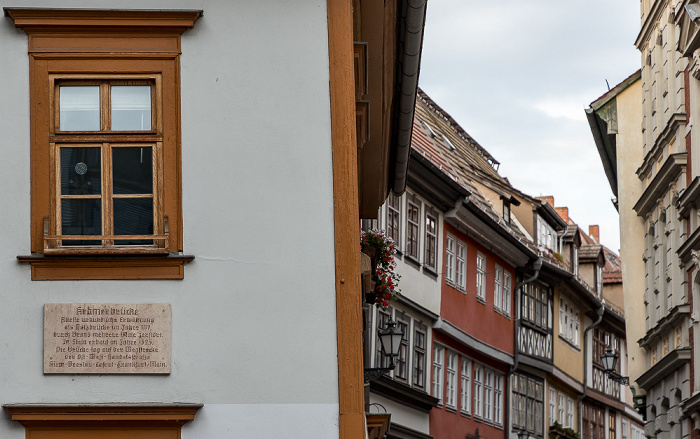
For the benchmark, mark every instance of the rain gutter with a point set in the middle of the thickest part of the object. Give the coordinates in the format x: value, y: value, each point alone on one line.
x: 411, y: 27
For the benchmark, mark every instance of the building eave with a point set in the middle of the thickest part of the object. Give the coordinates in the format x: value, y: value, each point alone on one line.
x: 663, y: 368
x: 670, y: 170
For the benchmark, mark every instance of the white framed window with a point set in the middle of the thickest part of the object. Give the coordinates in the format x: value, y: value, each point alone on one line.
x: 560, y: 411
x: 488, y: 394
x: 412, y: 228
x: 451, y: 383
x: 552, y: 406
x: 478, y: 390
x: 546, y: 236
x: 419, y: 346
x: 450, y: 259
x: 574, y: 259
x: 461, y: 266
x: 403, y: 324
x: 466, y: 390
x: 624, y: 429
x: 498, y: 400
x: 430, y: 260
x: 507, y: 293
x: 481, y: 276
x: 498, y: 287
x: 599, y: 280
x: 438, y: 360
x: 569, y: 322
x: 393, y: 218
x: 569, y: 413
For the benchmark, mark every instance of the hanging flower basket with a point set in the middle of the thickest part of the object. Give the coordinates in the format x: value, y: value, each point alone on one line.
x: 385, y: 279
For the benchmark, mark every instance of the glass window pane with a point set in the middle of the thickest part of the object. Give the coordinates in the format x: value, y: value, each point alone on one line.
x: 133, y: 216
x: 131, y: 107
x: 132, y: 171
x: 81, y: 217
x: 80, y: 171
x: 79, y: 108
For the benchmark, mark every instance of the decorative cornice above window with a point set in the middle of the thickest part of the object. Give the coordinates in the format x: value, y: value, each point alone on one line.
x: 33, y: 20
x: 665, y: 325
x: 661, y: 370
x: 689, y: 249
x: 670, y: 170
x: 689, y: 198
x: 675, y: 124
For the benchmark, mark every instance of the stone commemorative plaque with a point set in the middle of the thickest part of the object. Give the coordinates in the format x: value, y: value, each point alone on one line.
x: 107, y: 338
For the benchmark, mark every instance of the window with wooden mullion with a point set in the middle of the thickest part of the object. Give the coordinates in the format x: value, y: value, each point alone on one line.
x: 106, y: 192
x: 105, y: 106
x: 107, y: 174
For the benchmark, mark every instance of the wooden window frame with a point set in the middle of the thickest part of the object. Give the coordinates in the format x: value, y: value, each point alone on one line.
x: 498, y: 399
x: 413, y: 230
x: 438, y: 373
x: 93, y: 44
x: 107, y: 140
x: 451, y: 380
x: 507, y: 292
x: 49, y: 421
x: 403, y: 362
x: 393, y: 218
x: 481, y: 277
x: 498, y: 287
x: 450, y: 259
x: 478, y: 377
x: 419, y: 354
x: 461, y: 262
x: 465, y: 388
x: 431, y: 236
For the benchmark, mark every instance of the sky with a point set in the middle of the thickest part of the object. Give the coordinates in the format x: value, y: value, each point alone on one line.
x: 517, y: 76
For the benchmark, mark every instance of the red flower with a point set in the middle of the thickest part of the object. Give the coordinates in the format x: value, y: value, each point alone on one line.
x: 385, y: 303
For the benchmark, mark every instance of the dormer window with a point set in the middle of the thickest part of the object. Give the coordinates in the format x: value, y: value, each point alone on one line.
x: 574, y: 259
x: 546, y: 236
x: 506, y: 211
x: 507, y: 201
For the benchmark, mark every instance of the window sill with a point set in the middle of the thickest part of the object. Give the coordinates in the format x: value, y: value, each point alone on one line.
x: 568, y: 343
x: 465, y: 414
x: 413, y: 262
x: 430, y: 271
x: 501, y: 312
x: 106, y: 267
x: 451, y: 408
x: 481, y: 300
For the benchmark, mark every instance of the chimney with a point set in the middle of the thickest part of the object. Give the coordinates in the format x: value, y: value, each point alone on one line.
x: 563, y: 213
x: 594, y: 232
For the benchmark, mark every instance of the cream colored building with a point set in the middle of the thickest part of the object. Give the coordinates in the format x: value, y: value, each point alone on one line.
x: 651, y: 170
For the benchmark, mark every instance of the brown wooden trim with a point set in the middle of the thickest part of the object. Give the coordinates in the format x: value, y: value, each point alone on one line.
x: 105, y: 53
x: 346, y: 220
x: 78, y: 421
x: 67, y: 20
x: 106, y: 268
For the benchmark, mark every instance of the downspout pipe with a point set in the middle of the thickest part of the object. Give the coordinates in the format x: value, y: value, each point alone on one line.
x: 600, y: 312
x: 537, y: 266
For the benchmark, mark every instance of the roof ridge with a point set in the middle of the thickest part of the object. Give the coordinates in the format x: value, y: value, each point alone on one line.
x: 456, y: 127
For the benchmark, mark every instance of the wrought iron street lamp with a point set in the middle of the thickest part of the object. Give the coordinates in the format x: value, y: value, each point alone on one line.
x: 390, y: 340
x: 609, y: 360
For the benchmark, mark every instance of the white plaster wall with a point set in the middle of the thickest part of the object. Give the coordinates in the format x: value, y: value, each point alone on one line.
x: 401, y: 414
x: 421, y: 288
x: 253, y: 322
